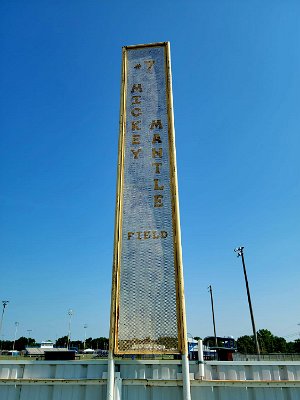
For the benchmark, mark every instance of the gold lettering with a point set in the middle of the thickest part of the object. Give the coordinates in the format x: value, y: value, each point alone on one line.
x: 156, y: 187
x: 155, y: 235
x: 156, y: 124
x: 156, y: 138
x: 137, y: 87
x: 135, y: 125
x: 157, y: 166
x: 157, y: 152
x: 158, y: 200
x: 147, y: 234
x: 136, y: 99
x: 136, y: 153
x: 136, y: 140
x: 135, y: 112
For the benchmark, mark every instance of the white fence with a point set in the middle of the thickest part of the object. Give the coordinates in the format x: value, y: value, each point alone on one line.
x: 148, y: 380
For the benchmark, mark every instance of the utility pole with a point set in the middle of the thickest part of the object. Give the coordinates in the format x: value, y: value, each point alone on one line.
x: 240, y: 253
x: 4, y: 304
x: 213, y: 314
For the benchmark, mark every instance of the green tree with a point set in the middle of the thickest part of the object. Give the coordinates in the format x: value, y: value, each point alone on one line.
x: 99, y: 343
x: 290, y: 348
x: 280, y: 345
x: 76, y: 343
x: 62, y: 341
x: 270, y: 343
x: 31, y: 342
x: 266, y: 341
x: 6, y: 345
x: 88, y: 343
x: 246, y: 345
x: 297, y: 346
x: 23, y: 342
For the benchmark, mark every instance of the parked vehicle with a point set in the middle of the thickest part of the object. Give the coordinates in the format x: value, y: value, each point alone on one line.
x: 101, y: 354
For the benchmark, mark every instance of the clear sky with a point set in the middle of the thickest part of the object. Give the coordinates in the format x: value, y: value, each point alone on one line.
x: 236, y: 87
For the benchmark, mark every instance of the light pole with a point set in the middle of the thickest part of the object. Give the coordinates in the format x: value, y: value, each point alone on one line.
x: 240, y: 253
x: 213, y: 314
x: 4, y: 304
x: 16, y: 329
x: 70, y: 313
x: 28, y: 333
x: 85, y: 326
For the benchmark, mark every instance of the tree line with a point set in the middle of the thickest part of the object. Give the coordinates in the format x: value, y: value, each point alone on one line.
x: 268, y: 343
x: 23, y: 342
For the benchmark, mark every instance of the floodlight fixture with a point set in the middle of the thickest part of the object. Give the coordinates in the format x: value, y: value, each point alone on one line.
x: 239, y: 251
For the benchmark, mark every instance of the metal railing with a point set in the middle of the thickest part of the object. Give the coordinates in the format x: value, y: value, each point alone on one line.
x: 267, y: 357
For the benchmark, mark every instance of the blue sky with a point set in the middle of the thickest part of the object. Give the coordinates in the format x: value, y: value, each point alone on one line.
x: 236, y: 87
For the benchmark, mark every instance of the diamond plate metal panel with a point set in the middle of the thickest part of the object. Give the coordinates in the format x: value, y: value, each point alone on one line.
x: 147, y: 313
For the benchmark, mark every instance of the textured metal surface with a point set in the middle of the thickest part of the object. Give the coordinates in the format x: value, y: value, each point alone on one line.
x: 144, y: 380
x: 147, y: 317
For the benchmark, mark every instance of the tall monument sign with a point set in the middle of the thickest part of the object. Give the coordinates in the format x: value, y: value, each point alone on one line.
x: 147, y: 310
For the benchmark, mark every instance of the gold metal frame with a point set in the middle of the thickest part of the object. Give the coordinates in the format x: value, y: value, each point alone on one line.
x: 115, y: 293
